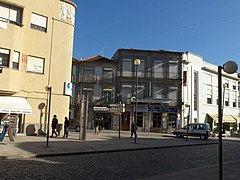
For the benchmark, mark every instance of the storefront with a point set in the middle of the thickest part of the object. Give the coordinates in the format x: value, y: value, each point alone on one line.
x: 12, y: 110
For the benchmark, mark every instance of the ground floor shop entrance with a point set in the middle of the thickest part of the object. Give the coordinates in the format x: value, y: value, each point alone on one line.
x: 105, y: 120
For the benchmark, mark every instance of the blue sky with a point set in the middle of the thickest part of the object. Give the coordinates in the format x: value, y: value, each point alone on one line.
x: 210, y: 28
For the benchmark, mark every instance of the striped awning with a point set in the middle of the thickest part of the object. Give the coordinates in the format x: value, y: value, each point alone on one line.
x: 226, y: 118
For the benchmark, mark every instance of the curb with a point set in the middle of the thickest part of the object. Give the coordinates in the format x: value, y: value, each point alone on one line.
x: 116, y: 150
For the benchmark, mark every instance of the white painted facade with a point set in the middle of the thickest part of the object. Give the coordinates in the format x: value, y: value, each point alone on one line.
x: 206, y: 91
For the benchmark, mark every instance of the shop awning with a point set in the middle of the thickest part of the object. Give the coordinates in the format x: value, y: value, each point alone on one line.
x: 226, y: 118
x: 17, y: 105
x: 236, y: 117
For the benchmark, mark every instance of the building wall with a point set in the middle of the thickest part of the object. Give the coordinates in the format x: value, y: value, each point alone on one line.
x: 207, y: 84
x: 54, y: 46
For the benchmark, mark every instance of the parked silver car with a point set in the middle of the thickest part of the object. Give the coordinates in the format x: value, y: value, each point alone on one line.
x: 194, y: 129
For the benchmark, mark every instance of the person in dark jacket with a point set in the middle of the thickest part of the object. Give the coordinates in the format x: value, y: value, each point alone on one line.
x: 66, y: 125
x: 134, y: 131
x: 54, y: 125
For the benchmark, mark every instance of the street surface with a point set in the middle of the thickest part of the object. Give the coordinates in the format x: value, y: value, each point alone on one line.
x: 137, y: 164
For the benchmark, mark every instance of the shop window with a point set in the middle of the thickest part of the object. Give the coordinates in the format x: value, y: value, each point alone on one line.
x: 4, y: 57
x: 39, y: 22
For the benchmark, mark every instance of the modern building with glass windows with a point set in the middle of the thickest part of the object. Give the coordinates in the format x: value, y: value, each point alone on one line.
x: 35, y: 51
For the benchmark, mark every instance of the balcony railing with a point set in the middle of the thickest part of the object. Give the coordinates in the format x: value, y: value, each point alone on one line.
x: 152, y: 75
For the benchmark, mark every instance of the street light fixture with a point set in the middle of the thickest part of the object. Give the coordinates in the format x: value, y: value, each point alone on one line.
x: 137, y: 62
x: 48, y: 88
x: 229, y: 67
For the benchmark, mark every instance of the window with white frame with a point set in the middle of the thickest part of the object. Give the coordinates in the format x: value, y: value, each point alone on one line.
x: 15, y: 60
x: 209, y: 94
x: 226, y: 97
x: 35, y: 64
x: 39, y: 22
x: 234, y: 99
x: 9, y: 13
x: 4, y: 57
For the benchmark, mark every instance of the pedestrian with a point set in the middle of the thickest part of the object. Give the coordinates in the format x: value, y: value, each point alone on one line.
x: 66, y: 125
x: 101, y: 122
x: 96, y: 125
x: 134, y: 131
x: 54, y: 125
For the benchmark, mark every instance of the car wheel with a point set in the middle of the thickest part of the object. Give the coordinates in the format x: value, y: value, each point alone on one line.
x: 77, y: 128
x: 202, y: 137
x: 179, y: 135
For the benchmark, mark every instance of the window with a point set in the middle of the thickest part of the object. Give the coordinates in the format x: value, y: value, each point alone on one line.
x: 184, y: 78
x: 127, y: 67
x: 141, y: 68
x: 15, y: 63
x: 173, y: 95
x: 39, y: 22
x: 173, y: 70
x: 226, y: 98
x: 126, y: 93
x: 107, y: 96
x: 159, y: 92
x: 4, y: 57
x: 35, y: 64
x: 158, y: 69
x: 234, y: 87
x: 108, y: 74
x: 10, y: 14
x: 209, y: 94
x: 234, y: 99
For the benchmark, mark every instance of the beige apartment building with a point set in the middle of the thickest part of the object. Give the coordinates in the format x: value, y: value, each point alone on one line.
x: 35, y: 54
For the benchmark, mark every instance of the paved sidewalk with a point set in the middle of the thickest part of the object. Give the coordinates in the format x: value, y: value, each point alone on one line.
x: 107, y: 141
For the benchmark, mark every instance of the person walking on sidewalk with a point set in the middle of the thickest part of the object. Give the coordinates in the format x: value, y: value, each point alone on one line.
x: 96, y: 125
x: 134, y: 131
x: 54, y: 125
x: 66, y: 124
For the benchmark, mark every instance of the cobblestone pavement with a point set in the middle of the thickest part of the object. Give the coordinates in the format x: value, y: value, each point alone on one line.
x: 139, y: 164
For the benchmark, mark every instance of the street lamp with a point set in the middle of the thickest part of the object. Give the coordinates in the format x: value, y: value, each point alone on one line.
x: 229, y: 67
x: 48, y: 88
x: 137, y: 62
x: 188, y: 117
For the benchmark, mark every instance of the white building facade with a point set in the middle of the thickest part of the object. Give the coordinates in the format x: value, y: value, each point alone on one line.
x: 200, y: 94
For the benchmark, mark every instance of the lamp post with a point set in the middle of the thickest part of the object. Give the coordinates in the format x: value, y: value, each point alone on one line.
x: 188, y: 117
x: 229, y: 67
x: 49, y: 89
x: 137, y: 62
